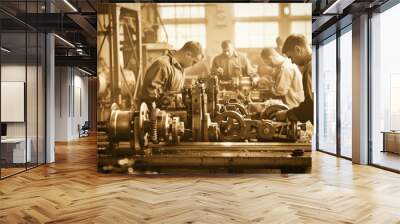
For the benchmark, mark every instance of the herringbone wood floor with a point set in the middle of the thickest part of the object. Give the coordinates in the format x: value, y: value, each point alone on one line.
x: 70, y: 191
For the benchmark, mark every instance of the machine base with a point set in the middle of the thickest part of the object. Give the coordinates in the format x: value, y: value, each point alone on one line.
x: 288, y: 157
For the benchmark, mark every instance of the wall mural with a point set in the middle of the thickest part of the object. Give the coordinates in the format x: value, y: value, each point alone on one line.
x: 204, y: 85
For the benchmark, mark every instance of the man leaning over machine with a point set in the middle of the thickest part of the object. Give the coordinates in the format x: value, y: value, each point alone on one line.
x: 166, y: 74
x: 230, y: 63
x: 287, y: 77
x: 299, y: 51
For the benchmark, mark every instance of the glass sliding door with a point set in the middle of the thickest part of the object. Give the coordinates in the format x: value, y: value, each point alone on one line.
x: 41, y: 87
x: 385, y: 89
x: 13, y: 92
x: 31, y: 99
x: 314, y: 85
x: 327, y: 96
x: 22, y: 76
x: 346, y: 93
x: 35, y: 89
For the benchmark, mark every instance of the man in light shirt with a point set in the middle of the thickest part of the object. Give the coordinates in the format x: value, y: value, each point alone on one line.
x: 299, y: 51
x: 287, y: 77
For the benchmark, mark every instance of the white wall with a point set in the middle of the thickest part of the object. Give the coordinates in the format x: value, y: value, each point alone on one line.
x: 70, y: 83
x: 12, y: 73
x: 79, y: 117
x: 33, y: 127
x: 61, y: 103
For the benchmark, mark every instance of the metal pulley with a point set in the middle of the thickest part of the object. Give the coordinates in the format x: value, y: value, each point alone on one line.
x: 121, y: 125
x: 236, y: 107
x: 266, y: 130
x: 143, y: 122
x: 232, y: 126
x: 270, y: 111
x: 177, y: 130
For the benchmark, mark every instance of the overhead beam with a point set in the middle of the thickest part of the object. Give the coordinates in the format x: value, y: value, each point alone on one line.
x: 83, y: 23
x: 16, y: 18
x: 320, y: 22
x: 332, y: 29
x: 338, y: 6
x: 49, y: 22
x: 82, y: 61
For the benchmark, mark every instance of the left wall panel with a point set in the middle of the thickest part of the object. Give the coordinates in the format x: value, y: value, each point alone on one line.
x: 23, y: 72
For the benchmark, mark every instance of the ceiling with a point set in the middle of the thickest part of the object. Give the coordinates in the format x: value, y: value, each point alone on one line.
x: 75, y: 21
x: 331, y: 15
x: 72, y: 20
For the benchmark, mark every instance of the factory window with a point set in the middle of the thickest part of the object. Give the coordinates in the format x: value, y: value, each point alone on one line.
x: 173, y: 11
x: 301, y: 9
x: 346, y: 94
x: 183, y: 22
x: 302, y: 27
x: 385, y: 89
x: 394, y: 101
x: 178, y: 34
x: 327, y: 96
x: 256, y: 10
x: 256, y: 34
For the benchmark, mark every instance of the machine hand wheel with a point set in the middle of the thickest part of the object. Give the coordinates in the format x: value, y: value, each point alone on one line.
x: 236, y: 107
x: 269, y: 112
x: 143, y: 118
x: 232, y: 126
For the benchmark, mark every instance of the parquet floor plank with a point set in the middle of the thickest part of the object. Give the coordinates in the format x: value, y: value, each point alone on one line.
x: 71, y: 191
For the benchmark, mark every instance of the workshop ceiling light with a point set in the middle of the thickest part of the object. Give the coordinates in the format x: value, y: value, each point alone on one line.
x: 65, y: 41
x: 5, y: 50
x: 70, y: 5
x: 84, y: 71
x: 337, y: 7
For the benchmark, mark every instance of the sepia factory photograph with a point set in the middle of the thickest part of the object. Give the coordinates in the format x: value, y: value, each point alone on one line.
x: 189, y: 112
x: 204, y: 86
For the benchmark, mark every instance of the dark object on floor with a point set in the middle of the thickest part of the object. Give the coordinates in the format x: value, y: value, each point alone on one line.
x: 84, y: 130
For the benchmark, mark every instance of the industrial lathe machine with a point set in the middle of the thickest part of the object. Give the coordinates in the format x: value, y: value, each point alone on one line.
x: 211, y: 124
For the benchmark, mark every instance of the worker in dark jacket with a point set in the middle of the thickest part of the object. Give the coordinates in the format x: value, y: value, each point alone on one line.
x: 166, y: 74
x: 299, y: 51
